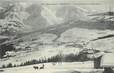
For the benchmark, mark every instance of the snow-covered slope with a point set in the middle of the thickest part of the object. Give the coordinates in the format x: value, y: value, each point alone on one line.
x: 103, y: 45
x: 79, y: 34
x: 72, y: 13
x: 51, y: 48
x: 58, y: 68
x: 42, y: 52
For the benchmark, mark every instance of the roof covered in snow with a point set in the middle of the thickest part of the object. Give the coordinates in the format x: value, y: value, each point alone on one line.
x: 107, y: 60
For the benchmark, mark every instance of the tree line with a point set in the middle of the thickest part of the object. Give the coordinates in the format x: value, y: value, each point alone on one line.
x: 56, y: 58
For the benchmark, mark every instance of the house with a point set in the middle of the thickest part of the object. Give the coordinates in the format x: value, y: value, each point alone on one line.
x: 104, y: 60
x: 107, y: 60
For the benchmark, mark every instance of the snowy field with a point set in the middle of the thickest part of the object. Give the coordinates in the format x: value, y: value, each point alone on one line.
x: 43, y: 53
x: 72, y: 35
x: 83, y: 67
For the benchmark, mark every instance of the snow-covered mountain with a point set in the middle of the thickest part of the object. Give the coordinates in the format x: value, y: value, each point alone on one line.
x: 70, y: 25
x: 72, y: 13
x: 42, y: 16
x: 35, y: 19
x: 65, y: 16
x: 104, y: 16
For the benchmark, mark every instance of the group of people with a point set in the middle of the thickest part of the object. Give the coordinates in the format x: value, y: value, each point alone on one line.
x: 39, y: 67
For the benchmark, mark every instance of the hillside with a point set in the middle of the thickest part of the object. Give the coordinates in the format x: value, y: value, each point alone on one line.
x: 43, y: 48
x: 64, y: 31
